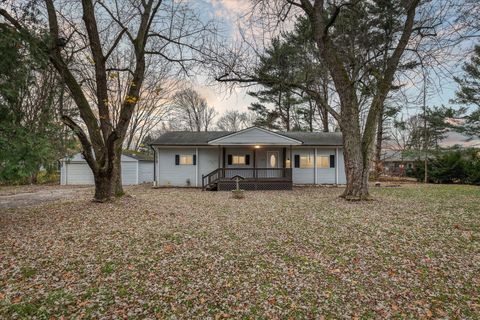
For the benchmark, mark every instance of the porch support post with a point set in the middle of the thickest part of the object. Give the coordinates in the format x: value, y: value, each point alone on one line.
x: 254, y: 163
x: 223, y: 157
x: 336, y: 165
x: 196, y: 167
x: 315, y: 165
x: 291, y: 157
x: 219, y: 156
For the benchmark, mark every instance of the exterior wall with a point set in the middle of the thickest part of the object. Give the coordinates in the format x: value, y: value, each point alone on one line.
x: 326, y: 175
x: 75, y: 171
x: 323, y: 175
x: 145, y: 171
x: 62, y: 173
x: 129, y: 172
x: 302, y: 175
x: 170, y: 174
x: 78, y: 173
x: 342, y: 178
x: 207, y: 162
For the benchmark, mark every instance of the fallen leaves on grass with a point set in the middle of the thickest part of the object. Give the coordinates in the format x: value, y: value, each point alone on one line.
x: 412, y: 253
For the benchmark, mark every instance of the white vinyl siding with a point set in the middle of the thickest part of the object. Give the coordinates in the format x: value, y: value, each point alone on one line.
x: 78, y: 173
x: 342, y: 179
x: 170, y: 174
x: 145, y: 171
x: 207, y: 162
x: 75, y: 171
x: 325, y: 175
x: 129, y: 172
x: 303, y: 175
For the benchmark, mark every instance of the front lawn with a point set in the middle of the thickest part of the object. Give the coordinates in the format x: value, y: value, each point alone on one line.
x: 413, y: 252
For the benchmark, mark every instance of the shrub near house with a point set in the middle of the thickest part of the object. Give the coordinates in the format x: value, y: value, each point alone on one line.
x: 452, y: 166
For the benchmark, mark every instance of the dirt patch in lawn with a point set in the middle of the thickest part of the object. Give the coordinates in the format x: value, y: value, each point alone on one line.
x: 414, y: 252
x: 22, y: 196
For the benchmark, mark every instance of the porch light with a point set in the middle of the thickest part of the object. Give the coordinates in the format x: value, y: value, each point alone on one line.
x: 257, y: 147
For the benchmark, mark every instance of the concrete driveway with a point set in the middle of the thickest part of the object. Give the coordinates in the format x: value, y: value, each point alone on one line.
x: 28, y: 196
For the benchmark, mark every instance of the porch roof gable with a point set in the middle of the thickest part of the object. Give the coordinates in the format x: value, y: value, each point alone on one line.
x: 255, y: 136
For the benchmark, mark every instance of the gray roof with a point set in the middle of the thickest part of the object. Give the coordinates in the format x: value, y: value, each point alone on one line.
x: 316, y: 138
x: 140, y: 156
x: 190, y: 138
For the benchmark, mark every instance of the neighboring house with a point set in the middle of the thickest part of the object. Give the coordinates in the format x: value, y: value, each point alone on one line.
x: 396, y: 162
x: 136, y: 168
x: 264, y: 159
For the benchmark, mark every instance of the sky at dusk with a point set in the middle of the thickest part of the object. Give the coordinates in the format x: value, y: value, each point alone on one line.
x: 230, y: 14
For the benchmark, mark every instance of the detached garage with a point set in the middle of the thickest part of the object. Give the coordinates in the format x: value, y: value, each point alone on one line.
x: 136, y: 168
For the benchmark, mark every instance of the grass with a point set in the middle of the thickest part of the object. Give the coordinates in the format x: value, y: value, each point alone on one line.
x: 413, y: 252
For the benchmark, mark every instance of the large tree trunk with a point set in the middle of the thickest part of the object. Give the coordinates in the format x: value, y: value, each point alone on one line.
x: 356, y: 166
x: 103, y: 186
x: 117, y: 187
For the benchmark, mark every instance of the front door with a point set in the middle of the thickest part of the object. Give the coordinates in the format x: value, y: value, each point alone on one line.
x: 272, y: 159
x: 273, y: 163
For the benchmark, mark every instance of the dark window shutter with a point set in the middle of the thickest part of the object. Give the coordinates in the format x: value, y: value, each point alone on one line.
x: 247, y: 159
x: 194, y: 159
x: 332, y: 161
x: 177, y: 159
x: 229, y: 159
x: 297, y: 161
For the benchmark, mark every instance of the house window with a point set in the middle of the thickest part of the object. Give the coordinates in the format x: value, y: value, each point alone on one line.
x: 185, y: 159
x: 323, y: 162
x: 238, y: 160
x: 306, y: 161
x: 235, y: 159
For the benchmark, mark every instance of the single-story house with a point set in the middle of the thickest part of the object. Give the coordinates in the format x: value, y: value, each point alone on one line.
x: 261, y: 158
x: 136, y: 168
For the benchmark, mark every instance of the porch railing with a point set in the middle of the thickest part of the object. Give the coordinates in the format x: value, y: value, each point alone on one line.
x: 267, y: 174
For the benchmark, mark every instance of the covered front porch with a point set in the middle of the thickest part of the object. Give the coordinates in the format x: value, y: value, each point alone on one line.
x: 259, y: 167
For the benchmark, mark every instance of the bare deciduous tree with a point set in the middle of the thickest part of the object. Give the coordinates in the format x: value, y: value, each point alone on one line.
x: 233, y: 120
x: 80, y: 49
x: 191, y: 111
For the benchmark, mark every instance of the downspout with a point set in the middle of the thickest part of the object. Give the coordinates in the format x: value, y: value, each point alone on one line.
x: 154, y: 166
x: 196, y: 167
x: 336, y: 165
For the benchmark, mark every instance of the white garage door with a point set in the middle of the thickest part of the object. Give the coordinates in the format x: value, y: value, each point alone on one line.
x: 78, y: 173
x: 129, y: 172
x: 145, y: 171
